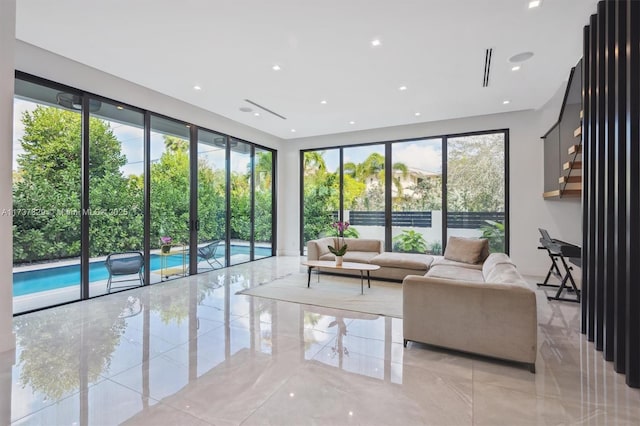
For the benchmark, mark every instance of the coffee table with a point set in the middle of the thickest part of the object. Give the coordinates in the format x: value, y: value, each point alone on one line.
x: 346, y: 266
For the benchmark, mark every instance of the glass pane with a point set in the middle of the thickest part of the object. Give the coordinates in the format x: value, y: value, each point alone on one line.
x: 116, y: 197
x: 263, y: 172
x: 476, y: 188
x: 211, y: 200
x: 417, y: 196
x: 240, y: 201
x: 321, y: 192
x: 363, y: 191
x: 46, y: 196
x: 169, y: 199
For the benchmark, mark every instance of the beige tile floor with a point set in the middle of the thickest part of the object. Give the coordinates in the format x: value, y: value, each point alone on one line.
x: 192, y: 352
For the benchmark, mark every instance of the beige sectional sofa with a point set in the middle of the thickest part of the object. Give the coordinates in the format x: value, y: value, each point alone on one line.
x: 466, y: 300
x: 488, y: 310
x: 393, y: 266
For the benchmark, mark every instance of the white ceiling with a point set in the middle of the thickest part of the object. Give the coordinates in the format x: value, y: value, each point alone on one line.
x: 228, y: 47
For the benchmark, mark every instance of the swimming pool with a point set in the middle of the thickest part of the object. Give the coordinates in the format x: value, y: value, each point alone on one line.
x: 56, y: 277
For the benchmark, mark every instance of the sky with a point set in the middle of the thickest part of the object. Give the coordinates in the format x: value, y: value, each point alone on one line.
x: 422, y: 154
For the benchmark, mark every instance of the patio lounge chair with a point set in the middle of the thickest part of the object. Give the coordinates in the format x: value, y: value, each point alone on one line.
x: 127, y: 263
x: 207, y: 253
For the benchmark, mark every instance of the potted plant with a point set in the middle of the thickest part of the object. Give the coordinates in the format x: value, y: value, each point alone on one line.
x: 339, y: 250
x: 165, y: 244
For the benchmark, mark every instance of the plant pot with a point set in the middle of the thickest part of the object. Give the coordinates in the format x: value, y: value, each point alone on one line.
x: 165, y: 248
x: 338, y: 260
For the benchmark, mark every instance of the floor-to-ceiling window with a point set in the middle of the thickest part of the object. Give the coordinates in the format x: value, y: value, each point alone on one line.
x: 241, y: 201
x: 169, y: 198
x: 320, y: 192
x: 47, y: 189
x: 435, y: 187
x: 116, y: 189
x: 212, y: 193
x: 363, y: 173
x: 95, y: 179
x: 417, y: 196
x: 263, y: 211
x: 476, y: 187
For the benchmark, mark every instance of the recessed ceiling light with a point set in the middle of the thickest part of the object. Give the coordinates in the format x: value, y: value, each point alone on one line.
x: 417, y: 114
x: 402, y: 88
x: 120, y: 107
x: 506, y: 102
x: 293, y: 130
x: 323, y: 102
x: 534, y: 3
x: 197, y: 87
x: 352, y: 122
x: 375, y: 42
x: 188, y: 125
x: 257, y: 114
x: 521, y: 57
x: 516, y: 68
x: 276, y: 67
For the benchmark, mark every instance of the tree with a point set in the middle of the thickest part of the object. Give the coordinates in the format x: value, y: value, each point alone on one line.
x: 49, y: 187
x: 476, y: 173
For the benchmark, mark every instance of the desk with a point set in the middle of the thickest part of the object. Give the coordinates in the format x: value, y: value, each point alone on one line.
x: 166, y: 269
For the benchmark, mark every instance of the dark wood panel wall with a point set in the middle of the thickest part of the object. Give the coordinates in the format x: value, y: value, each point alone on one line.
x: 611, y: 185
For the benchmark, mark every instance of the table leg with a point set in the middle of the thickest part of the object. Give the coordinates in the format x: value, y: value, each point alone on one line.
x: 369, y: 278
x: 361, y: 282
x: 309, y: 279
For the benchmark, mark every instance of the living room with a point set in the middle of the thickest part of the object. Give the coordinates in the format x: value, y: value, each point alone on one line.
x: 527, y: 209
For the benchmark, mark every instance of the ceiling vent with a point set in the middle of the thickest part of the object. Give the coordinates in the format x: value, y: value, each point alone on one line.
x: 487, y: 67
x: 265, y: 109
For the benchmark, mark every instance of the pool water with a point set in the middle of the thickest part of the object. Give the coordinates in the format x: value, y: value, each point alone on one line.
x: 56, y: 277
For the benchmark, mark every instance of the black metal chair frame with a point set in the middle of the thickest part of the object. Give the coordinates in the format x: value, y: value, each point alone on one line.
x: 208, y: 252
x: 125, y: 263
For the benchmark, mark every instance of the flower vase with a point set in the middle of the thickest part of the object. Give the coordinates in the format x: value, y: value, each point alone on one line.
x: 338, y: 260
x: 165, y: 248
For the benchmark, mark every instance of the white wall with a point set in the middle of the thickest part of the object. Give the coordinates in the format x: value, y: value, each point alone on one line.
x: 45, y: 64
x: 7, y: 43
x: 528, y: 210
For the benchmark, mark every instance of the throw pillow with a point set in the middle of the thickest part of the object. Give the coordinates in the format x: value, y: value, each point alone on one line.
x: 466, y: 250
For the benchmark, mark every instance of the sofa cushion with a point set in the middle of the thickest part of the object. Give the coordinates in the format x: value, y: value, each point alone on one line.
x: 447, y: 262
x: 323, y: 245
x: 493, y: 260
x: 353, y: 256
x: 363, y: 244
x: 466, y: 250
x: 412, y: 261
x: 455, y: 273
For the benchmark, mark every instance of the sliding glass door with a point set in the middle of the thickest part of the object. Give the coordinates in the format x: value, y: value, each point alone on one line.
x: 212, y: 190
x: 116, y: 191
x: 170, y: 230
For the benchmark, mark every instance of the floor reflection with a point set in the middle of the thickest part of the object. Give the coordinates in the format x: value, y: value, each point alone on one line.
x: 192, y: 351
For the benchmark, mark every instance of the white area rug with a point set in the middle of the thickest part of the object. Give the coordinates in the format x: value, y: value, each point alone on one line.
x: 383, y: 298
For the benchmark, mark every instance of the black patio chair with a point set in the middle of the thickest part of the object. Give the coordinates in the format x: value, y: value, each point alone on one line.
x: 127, y: 263
x: 208, y: 253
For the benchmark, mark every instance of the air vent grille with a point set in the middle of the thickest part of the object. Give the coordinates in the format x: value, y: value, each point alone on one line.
x: 487, y: 67
x: 265, y: 109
